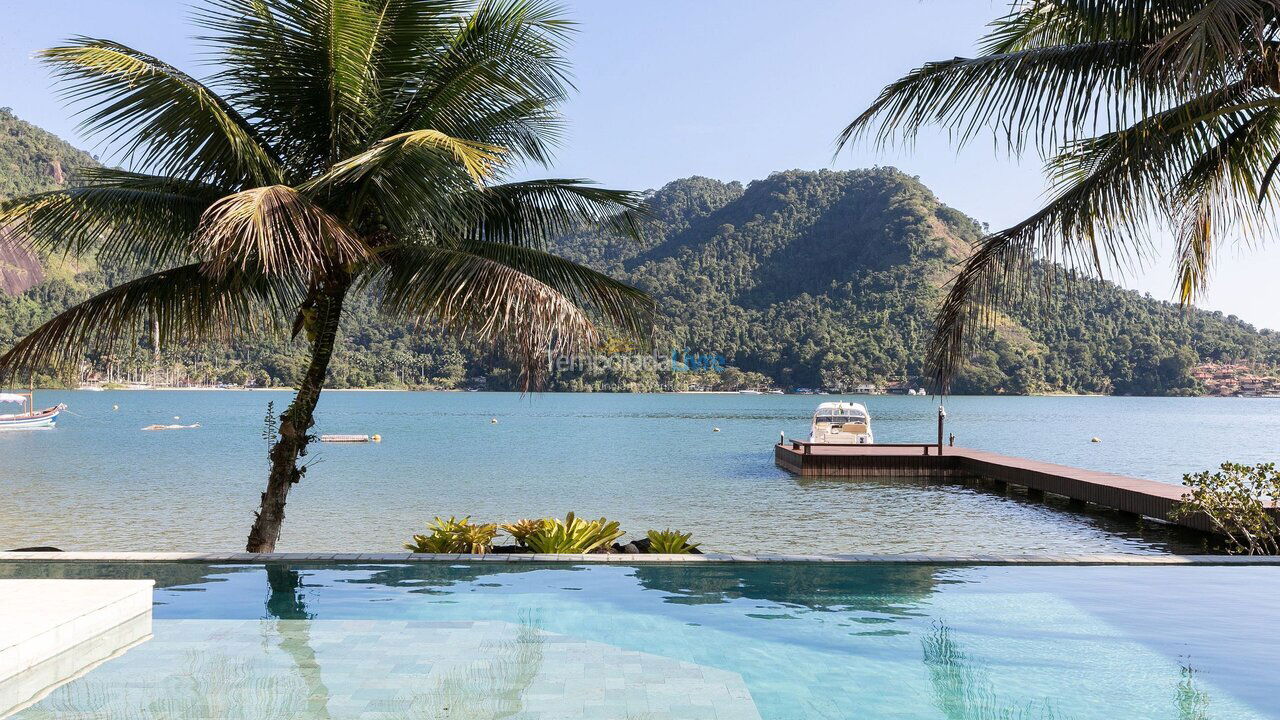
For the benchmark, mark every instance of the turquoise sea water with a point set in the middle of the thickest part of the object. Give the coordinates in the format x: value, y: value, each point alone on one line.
x: 798, y: 642
x: 651, y: 461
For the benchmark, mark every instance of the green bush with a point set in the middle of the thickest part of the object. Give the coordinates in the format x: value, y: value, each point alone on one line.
x: 573, y: 536
x: 1240, y: 502
x: 455, y: 536
x: 670, y: 542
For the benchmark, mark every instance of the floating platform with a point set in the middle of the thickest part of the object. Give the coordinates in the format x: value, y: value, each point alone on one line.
x: 350, y: 438
x: 1147, y: 498
x: 53, y: 631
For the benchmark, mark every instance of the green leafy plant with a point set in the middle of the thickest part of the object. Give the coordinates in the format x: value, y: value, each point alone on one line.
x: 455, y: 536
x: 522, y: 529
x: 670, y: 542
x: 573, y: 536
x: 1240, y: 502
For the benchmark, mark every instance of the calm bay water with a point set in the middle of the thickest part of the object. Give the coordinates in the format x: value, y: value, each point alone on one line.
x: 98, y: 482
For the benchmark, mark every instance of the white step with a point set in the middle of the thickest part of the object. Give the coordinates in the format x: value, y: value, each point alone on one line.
x: 52, y: 631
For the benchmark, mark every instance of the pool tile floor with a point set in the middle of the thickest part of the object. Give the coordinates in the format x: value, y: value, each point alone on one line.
x: 375, y: 669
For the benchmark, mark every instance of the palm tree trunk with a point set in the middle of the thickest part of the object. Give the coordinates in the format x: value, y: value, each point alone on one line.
x: 296, y: 421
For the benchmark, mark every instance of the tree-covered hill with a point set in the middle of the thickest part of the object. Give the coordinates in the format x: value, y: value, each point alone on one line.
x: 31, y: 161
x: 831, y: 278
x: 801, y: 279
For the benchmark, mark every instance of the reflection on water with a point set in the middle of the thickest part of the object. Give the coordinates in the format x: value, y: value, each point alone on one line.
x: 776, y: 641
x: 199, y: 683
x: 887, y: 589
x: 963, y: 691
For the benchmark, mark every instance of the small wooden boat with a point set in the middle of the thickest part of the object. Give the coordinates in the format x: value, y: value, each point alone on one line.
x: 29, y: 418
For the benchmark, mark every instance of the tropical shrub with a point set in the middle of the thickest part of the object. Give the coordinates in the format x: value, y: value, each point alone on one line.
x: 455, y: 536
x: 670, y: 542
x: 522, y: 529
x: 1240, y: 502
x: 573, y: 536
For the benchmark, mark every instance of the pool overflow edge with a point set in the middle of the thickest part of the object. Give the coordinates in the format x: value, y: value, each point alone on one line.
x: 630, y: 559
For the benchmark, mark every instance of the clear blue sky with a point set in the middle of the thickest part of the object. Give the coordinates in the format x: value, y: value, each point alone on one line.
x: 731, y: 89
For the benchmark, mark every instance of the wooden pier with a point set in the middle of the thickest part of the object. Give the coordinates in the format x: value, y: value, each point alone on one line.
x: 1146, y: 498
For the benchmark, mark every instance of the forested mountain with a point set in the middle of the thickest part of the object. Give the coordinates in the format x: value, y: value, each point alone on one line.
x: 801, y: 279
x: 830, y: 279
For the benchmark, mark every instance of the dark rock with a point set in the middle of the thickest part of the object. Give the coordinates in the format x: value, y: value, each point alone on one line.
x: 631, y: 549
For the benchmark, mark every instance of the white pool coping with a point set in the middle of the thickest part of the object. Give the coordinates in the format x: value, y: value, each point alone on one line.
x: 52, y: 631
x: 632, y: 559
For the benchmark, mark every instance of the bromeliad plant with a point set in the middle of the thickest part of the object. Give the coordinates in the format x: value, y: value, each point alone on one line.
x: 455, y: 536
x: 340, y: 146
x: 573, y: 536
x: 670, y: 542
x: 522, y: 529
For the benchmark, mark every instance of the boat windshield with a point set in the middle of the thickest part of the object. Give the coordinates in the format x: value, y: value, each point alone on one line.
x: 841, y: 419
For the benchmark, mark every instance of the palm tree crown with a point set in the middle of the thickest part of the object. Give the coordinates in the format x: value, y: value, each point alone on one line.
x: 1149, y: 112
x: 340, y: 145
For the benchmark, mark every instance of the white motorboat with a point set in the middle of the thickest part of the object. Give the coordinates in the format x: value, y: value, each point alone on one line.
x: 842, y: 423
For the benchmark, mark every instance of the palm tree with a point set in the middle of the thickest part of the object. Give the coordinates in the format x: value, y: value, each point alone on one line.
x: 338, y: 146
x: 1150, y: 113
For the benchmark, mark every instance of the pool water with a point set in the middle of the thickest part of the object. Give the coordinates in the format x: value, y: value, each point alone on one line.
x: 730, y: 641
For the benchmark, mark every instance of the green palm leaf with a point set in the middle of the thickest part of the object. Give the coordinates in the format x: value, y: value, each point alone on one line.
x: 185, y: 303
x: 159, y: 117
x: 114, y: 215
x: 488, y: 299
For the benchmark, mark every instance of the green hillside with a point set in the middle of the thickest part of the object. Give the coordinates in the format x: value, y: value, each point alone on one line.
x: 830, y: 279
x: 801, y: 279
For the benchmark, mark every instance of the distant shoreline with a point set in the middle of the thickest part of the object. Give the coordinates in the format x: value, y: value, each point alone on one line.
x: 571, y: 392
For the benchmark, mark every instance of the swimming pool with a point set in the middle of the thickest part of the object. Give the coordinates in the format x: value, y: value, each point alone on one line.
x: 740, y: 641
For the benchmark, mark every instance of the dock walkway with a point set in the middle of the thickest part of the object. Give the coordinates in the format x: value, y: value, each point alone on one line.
x: 1147, y: 498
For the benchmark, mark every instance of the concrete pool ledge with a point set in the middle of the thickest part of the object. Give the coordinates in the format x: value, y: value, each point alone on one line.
x: 628, y: 559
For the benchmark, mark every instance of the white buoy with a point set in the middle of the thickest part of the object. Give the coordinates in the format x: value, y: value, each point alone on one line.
x: 115, y: 407
x: 175, y: 417
x: 493, y: 421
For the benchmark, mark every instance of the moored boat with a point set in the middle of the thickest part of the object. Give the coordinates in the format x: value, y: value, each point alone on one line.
x: 30, y: 417
x: 841, y: 423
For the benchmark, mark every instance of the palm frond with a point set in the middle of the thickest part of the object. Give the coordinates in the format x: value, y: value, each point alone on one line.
x: 1218, y: 35
x: 1061, y: 92
x: 1215, y: 197
x: 505, y: 53
x: 627, y: 309
x: 411, y: 177
x: 485, y: 298
x: 159, y: 118
x: 185, y: 303
x: 415, y: 148
x: 1049, y: 23
x: 276, y: 231
x: 115, y: 215
x: 1109, y: 188
x: 532, y: 212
